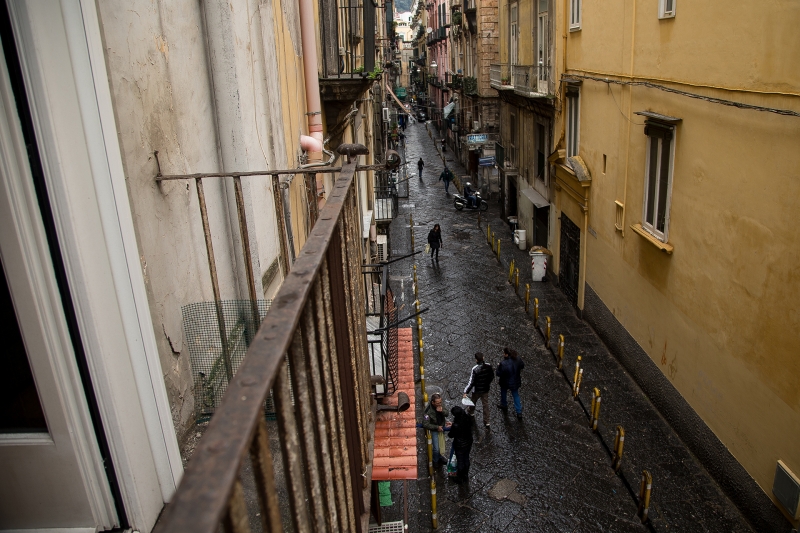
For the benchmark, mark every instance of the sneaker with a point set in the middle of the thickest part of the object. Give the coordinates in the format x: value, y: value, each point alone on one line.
x: 519, y: 416
x: 488, y: 428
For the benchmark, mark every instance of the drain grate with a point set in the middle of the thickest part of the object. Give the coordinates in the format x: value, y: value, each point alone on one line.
x: 388, y: 527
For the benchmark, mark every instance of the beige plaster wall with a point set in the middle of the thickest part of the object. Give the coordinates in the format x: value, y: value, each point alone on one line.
x: 719, y: 316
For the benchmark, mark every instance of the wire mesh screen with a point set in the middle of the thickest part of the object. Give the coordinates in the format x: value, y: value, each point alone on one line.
x: 214, y: 362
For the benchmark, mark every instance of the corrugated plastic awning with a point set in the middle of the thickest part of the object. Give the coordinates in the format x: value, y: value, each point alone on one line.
x: 536, y: 199
x: 448, y: 109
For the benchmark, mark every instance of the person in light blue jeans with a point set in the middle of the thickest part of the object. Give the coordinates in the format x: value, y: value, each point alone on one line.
x: 509, y: 373
x: 435, y: 421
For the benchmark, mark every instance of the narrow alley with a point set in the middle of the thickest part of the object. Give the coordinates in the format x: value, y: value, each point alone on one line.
x: 548, y: 471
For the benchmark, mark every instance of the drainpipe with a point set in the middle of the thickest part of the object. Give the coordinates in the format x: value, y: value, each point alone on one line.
x: 311, y: 74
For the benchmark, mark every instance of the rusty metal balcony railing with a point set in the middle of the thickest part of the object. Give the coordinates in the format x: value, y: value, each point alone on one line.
x: 311, y: 467
x: 530, y: 80
x: 500, y: 76
x: 347, y: 33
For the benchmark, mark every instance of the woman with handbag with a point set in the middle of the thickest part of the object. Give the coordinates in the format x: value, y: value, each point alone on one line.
x: 435, y: 240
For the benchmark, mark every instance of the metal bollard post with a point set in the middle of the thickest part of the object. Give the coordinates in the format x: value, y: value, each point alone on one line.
x: 536, y: 312
x: 560, y: 351
x: 430, y: 451
x: 416, y: 289
x: 576, y: 383
x: 619, y: 444
x: 488, y: 233
x: 434, y: 516
x: 644, y: 495
x: 498, y: 249
x: 547, y: 332
x: 516, y: 280
x: 595, y: 408
x: 527, y: 296
x: 510, y: 270
x: 411, y: 229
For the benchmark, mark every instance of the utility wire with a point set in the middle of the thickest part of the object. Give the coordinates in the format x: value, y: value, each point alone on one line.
x: 713, y: 100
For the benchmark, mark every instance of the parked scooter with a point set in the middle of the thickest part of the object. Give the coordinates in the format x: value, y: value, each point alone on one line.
x: 461, y: 202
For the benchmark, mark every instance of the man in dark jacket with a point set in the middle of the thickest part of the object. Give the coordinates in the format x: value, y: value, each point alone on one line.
x: 461, y: 433
x: 480, y: 381
x: 509, y: 372
x: 434, y: 421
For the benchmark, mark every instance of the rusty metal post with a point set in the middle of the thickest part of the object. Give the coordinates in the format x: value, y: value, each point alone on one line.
x: 416, y: 287
x: 311, y: 198
x: 411, y: 229
x: 619, y: 444
x: 488, y: 233
x: 595, y: 408
x: 434, y: 514
x: 279, y: 217
x: 212, y: 268
x: 248, y: 259
x: 498, y: 249
x: 644, y: 495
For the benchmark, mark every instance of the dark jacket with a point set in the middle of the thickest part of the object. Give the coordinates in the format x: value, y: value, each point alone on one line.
x: 433, y: 419
x: 461, y: 430
x: 435, y: 238
x: 480, y: 379
x: 446, y: 175
x: 420, y: 164
x: 509, y: 372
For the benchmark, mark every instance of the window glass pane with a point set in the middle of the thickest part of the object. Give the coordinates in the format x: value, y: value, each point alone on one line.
x: 663, y: 183
x: 652, y: 178
x: 20, y: 409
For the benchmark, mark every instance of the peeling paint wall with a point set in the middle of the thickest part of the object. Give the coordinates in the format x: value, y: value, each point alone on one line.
x: 208, y: 86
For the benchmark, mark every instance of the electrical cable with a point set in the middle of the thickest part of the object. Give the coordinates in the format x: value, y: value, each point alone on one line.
x: 711, y: 99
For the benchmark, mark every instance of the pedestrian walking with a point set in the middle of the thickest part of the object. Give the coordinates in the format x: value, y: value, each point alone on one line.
x: 420, y: 165
x: 446, y: 176
x: 509, y: 373
x: 435, y: 421
x: 461, y: 433
x: 480, y: 381
x: 435, y: 240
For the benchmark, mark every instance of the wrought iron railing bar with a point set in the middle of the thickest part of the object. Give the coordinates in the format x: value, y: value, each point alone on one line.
x: 264, y: 473
x: 200, y: 502
x: 330, y: 433
x: 282, y: 172
x: 322, y: 449
x: 339, y: 423
x: 236, y: 519
x: 303, y: 405
x: 290, y: 451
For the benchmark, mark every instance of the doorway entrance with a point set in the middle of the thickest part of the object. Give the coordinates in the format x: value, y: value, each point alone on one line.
x: 569, y: 259
x: 541, y: 225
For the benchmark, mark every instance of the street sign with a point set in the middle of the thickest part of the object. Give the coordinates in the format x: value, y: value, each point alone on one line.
x: 477, y: 138
x: 486, y: 161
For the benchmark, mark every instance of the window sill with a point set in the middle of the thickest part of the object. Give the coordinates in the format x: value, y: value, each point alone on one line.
x: 573, y: 29
x: 663, y: 246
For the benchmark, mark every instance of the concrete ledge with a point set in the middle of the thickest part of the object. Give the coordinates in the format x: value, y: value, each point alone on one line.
x: 731, y: 476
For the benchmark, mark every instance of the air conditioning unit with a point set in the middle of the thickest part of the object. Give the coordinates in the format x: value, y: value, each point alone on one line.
x: 386, y: 114
x: 383, y: 248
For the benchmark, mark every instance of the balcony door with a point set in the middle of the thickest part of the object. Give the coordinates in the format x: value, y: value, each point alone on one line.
x: 542, y: 47
x: 514, y: 34
x: 52, y: 469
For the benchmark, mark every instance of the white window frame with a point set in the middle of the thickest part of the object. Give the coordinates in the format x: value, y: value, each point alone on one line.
x: 573, y: 121
x: 514, y: 34
x: 656, y: 175
x: 575, y: 14
x: 666, y: 9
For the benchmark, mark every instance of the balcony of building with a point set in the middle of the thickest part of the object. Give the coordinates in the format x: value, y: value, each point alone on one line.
x: 297, y: 418
x: 530, y: 81
x: 471, y: 86
x: 500, y: 77
x: 347, y: 38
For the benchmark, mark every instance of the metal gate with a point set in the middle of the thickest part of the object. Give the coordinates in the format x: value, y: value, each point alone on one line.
x: 569, y: 259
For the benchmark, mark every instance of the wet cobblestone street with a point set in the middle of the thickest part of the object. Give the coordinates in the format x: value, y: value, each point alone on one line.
x: 562, y: 469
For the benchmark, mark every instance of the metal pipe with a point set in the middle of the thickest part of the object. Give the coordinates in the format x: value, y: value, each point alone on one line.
x: 212, y: 269
x: 595, y: 408
x: 619, y: 444
x: 308, y: 36
x: 547, y: 332
x: 644, y: 495
x: 248, y: 262
x: 536, y: 312
x: 527, y: 296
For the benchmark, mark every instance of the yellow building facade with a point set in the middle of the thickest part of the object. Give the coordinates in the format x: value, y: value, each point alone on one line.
x: 676, y: 169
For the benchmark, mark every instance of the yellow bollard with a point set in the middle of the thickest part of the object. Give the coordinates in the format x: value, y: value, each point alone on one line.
x: 430, y: 451
x: 560, y: 351
x: 547, y: 332
x: 595, y: 408
x: 434, y: 516
x: 510, y: 270
x: 536, y: 312
x: 498, y: 249
x: 488, y: 234
x: 576, y: 384
x: 619, y: 444
x: 644, y: 495
x: 527, y: 296
x: 516, y: 280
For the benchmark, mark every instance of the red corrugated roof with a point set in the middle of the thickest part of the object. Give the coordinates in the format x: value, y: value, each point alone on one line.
x: 396, y: 433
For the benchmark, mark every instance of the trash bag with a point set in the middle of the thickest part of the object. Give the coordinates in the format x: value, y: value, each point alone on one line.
x: 451, y: 463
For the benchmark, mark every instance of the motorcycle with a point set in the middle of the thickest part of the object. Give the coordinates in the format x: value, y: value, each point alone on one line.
x: 461, y: 202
